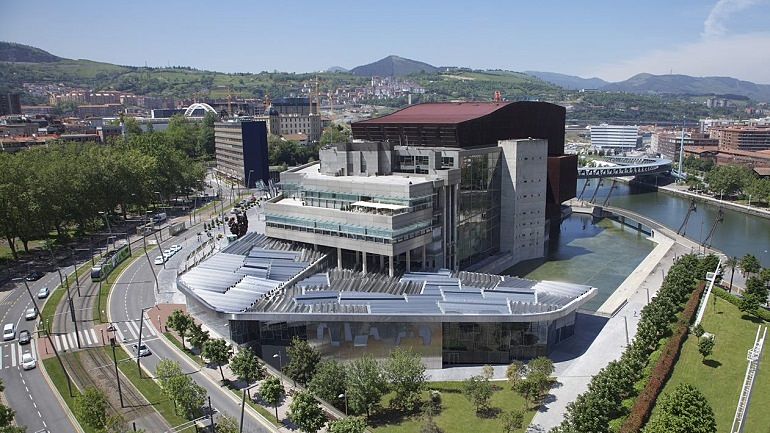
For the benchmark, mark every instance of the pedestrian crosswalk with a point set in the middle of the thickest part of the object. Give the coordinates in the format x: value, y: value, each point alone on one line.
x: 129, y: 331
x: 88, y: 338
x: 10, y: 353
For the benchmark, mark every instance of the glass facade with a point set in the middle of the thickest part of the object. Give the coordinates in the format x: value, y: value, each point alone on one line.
x: 329, y: 228
x: 438, y: 344
x: 478, y: 227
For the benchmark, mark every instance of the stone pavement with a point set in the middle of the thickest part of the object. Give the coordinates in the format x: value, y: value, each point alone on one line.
x: 598, y: 341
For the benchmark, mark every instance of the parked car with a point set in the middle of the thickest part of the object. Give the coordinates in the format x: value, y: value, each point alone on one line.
x: 30, y: 314
x: 28, y: 361
x: 43, y: 293
x: 9, y: 332
x: 160, y: 260
x: 25, y: 337
x: 34, y: 276
x: 141, y: 350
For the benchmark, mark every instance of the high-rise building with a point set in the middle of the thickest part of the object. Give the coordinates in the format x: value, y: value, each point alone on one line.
x: 241, y: 151
x: 670, y: 142
x: 10, y: 103
x: 749, y: 138
x: 614, y: 137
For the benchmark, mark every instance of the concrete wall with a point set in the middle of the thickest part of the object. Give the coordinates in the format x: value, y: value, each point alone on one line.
x: 523, y: 196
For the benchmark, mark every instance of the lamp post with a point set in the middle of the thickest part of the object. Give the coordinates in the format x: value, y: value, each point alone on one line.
x: 344, y: 395
x: 109, y: 229
x: 139, y: 344
x: 280, y: 364
x: 75, y: 264
x: 152, y: 268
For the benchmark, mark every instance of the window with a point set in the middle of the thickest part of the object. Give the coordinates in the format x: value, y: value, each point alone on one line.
x: 447, y: 162
x: 422, y: 161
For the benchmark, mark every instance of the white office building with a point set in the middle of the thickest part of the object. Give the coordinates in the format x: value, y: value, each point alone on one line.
x: 615, y: 137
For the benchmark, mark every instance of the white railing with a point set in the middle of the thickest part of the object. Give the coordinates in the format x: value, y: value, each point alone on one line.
x: 705, y: 298
x: 753, y: 356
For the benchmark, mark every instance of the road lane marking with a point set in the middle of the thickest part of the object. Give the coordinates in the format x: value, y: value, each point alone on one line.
x: 1, y: 356
x: 87, y: 337
x: 93, y: 335
x: 65, y: 345
x: 13, y: 357
x: 72, y: 341
x: 148, y: 326
x: 130, y: 326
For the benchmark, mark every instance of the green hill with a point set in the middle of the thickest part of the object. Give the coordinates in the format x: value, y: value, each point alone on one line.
x: 393, y: 66
x: 13, y: 52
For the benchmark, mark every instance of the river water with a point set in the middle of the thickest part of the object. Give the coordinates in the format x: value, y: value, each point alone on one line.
x: 738, y: 235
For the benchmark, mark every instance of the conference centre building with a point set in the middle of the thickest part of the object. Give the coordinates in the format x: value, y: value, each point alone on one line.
x: 394, y: 239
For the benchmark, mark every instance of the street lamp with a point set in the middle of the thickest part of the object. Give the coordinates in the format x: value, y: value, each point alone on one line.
x: 139, y: 344
x: 280, y: 365
x: 345, y: 396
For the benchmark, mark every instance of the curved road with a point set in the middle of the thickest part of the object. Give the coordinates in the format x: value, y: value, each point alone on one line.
x: 134, y: 290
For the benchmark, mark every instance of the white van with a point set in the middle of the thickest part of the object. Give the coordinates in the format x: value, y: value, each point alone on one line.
x: 9, y: 331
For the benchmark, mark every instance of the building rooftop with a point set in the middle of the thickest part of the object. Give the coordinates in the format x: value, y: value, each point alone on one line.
x: 260, y: 277
x: 314, y: 172
x: 439, y: 112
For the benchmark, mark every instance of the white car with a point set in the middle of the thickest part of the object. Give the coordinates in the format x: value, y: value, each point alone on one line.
x: 141, y: 350
x: 168, y: 252
x: 160, y: 260
x: 28, y: 361
x: 175, y: 248
x: 9, y: 332
x: 30, y: 314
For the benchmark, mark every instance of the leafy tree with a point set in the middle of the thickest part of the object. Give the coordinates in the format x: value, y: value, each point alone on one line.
x: 478, y: 391
x: 303, y: 359
x: 271, y: 392
x: 749, y: 304
x: 406, y: 375
x: 227, y: 424
x: 756, y: 287
x: 198, y: 337
x: 488, y: 372
x: 541, y: 365
x: 335, y: 134
x: 348, y: 425
x: 366, y: 385
x: 727, y: 180
x: 91, y: 407
x: 685, y: 410
x: 749, y: 264
x: 171, y: 379
x: 180, y: 322
x: 306, y: 413
x: 328, y: 382
x: 698, y: 330
x: 512, y: 421
x: 706, y: 346
x: 191, y: 398
x: 515, y: 372
x: 533, y: 387
x: 247, y: 367
x: 218, y: 352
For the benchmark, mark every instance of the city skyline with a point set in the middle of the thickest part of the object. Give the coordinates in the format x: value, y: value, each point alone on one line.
x: 722, y: 38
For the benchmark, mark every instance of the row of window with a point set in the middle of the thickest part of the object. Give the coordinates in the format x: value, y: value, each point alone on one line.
x: 360, y: 237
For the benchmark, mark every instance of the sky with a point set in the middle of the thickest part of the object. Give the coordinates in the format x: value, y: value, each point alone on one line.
x: 610, y: 39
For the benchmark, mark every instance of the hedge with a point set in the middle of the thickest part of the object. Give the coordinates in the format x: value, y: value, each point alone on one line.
x: 735, y: 300
x: 644, y: 404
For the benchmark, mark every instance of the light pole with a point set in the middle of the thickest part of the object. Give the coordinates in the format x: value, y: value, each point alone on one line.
x: 152, y: 268
x: 75, y: 264
x: 280, y: 364
x: 117, y: 375
x: 345, y: 395
x: 139, y: 344
x: 109, y: 229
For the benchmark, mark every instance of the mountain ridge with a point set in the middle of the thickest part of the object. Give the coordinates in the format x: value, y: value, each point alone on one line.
x: 393, y: 66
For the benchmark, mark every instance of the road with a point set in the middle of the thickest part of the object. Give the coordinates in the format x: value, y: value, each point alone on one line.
x: 135, y: 290
x: 27, y: 392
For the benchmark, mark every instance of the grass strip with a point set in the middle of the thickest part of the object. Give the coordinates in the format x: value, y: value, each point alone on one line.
x: 57, y: 293
x: 147, y: 387
x: 175, y: 341
x: 56, y: 374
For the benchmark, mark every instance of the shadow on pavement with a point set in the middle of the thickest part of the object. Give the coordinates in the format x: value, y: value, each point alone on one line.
x: 587, y: 327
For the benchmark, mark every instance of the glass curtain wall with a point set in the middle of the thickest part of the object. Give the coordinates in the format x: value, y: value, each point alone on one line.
x: 478, y: 228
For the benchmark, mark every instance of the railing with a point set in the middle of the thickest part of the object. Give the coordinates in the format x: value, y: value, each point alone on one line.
x: 753, y: 356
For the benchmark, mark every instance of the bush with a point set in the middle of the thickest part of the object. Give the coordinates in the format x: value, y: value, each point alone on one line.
x: 736, y: 300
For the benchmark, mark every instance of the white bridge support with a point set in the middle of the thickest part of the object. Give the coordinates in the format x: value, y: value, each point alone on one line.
x: 754, y: 356
x: 198, y: 105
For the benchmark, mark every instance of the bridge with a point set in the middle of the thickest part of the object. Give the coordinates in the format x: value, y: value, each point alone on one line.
x: 620, y: 166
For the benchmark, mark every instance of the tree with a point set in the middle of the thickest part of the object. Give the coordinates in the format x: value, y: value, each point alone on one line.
x: 328, y: 383
x: 218, y: 352
x: 685, y: 410
x: 365, y: 385
x: 247, y: 367
x: 348, y: 425
x: 91, y: 407
x: 191, y: 397
x: 749, y: 304
x: 756, y: 287
x: 706, y: 346
x: 533, y: 387
x: 749, y: 264
x: 335, y: 134
x: 478, y: 391
x: 406, y: 375
x: 171, y: 379
x: 512, y: 421
x: 198, y: 337
x: 698, y: 330
x: 541, y: 365
x: 731, y: 262
x: 306, y: 413
x: 303, y: 359
x: 488, y: 372
x: 515, y: 372
x: 271, y: 392
x: 180, y: 322
x: 227, y: 424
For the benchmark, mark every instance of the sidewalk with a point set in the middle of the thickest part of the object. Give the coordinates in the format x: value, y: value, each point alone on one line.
x: 576, y: 365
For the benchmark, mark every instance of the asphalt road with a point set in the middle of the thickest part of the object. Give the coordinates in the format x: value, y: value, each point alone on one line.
x: 135, y: 290
x: 27, y: 392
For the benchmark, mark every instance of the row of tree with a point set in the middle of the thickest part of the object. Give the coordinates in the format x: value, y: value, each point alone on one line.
x: 732, y: 181
x: 604, y: 405
x: 66, y: 186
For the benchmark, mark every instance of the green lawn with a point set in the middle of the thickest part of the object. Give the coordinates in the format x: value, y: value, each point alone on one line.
x: 720, y: 378
x: 59, y: 380
x: 457, y: 413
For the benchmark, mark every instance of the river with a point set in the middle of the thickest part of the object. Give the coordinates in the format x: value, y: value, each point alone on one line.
x: 738, y: 235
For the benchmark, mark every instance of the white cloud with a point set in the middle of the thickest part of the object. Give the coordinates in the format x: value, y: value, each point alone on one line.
x: 741, y: 56
x: 715, y: 26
